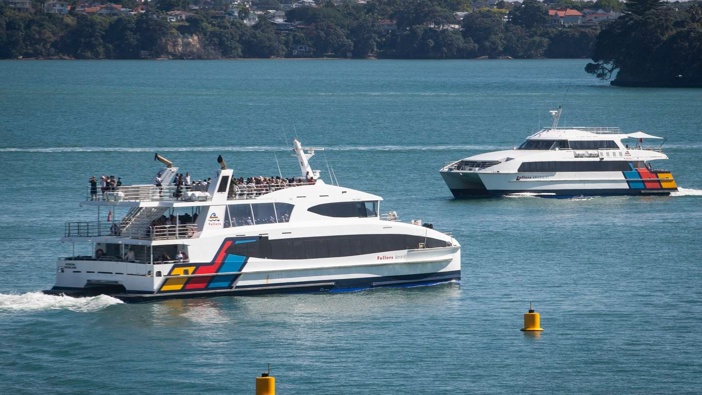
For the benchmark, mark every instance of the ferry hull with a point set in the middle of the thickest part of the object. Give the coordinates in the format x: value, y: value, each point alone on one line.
x: 479, y: 185
x: 417, y: 267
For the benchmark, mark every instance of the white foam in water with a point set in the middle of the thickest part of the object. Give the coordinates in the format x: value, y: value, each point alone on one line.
x: 38, y: 301
x: 687, y: 192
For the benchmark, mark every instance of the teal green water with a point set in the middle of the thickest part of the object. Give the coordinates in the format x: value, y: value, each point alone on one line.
x: 618, y: 281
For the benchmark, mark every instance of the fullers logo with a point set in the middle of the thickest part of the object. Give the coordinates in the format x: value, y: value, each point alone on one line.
x: 213, y: 220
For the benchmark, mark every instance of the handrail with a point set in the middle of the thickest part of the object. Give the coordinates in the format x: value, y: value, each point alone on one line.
x: 99, y: 229
x: 90, y: 229
x: 241, y: 191
x: 152, y: 193
x: 591, y: 129
x: 149, y: 193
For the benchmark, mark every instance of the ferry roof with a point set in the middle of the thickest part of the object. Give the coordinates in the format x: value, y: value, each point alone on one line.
x: 587, y: 133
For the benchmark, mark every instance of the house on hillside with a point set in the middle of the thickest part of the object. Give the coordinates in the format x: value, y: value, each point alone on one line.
x: 178, y: 16
x: 56, y: 7
x: 565, y: 17
x: 387, y: 26
x: 19, y: 5
x: 594, y: 17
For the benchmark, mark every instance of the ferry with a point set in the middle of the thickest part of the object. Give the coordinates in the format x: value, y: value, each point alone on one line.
x: 236, y: 236
x: 565, y: 162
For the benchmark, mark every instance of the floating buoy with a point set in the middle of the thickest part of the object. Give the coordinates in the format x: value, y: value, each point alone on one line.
x: 532, y: 321
x: 265, y: 385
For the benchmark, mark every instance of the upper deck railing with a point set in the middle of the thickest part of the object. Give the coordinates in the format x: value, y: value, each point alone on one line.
x: 591, y: 129
x: 250, y: 191
x: 100, y: 229
x: 172, y: 193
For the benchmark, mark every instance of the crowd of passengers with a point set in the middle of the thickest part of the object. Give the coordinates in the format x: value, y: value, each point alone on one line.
x: 107, y: 184
x: 261, y: 185
x: 184, y: 184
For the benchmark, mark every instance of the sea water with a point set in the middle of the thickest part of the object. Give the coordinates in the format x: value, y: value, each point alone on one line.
x: 617, y: 280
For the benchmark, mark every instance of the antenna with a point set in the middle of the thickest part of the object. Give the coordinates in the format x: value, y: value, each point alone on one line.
x: 280, y: 173
x: 556, y: 114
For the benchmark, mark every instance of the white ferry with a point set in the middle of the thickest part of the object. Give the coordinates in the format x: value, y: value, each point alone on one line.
x: 565, y: 162
x: 231, y: 237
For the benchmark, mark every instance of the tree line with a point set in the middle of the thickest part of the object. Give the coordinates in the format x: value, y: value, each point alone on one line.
x: 652, y: 44
x: 423, y: 29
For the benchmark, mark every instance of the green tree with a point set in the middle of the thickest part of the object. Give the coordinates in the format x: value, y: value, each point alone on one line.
x: 487, y: 30
x: 11, y: 34
x: 610, y: 5
x: 121, y: 38
x: 329, y: 39
x: 650, y: 49
x: 640, y: 7
x: 364, y: 34
x: 421, y: 12
x: 521, y: 44
x: 529, y: 14
x: 171, y: 5
x: 152, y: 32
x: 262, y: 42
x: 84, y: 41
x: 571, y: 43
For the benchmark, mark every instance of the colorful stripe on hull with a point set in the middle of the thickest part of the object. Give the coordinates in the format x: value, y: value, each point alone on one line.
x: 207, y: 278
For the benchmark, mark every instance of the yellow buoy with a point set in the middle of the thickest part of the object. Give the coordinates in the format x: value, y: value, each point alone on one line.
x: 532, y: 321
x: 265, y: 385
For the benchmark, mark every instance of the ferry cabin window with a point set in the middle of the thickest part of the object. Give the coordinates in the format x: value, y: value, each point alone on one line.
x: 544, y: 145
x: 263, y: 213
x: 593, y: 145
x: 283, y: 211
x: 574, y: 166
x: 473, y: 165
x: 328, y: 246
x: 238, y: 215
x: 256, y: 214
x: 347, y: 209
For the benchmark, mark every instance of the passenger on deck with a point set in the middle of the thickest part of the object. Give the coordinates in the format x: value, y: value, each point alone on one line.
x: 129, y: 256
x: 157, y: 182
x: 103, y: 185
x: 93, y: 188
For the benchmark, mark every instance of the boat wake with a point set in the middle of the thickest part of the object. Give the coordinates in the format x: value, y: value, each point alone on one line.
x: 38, y: 301
x: 687, y: 192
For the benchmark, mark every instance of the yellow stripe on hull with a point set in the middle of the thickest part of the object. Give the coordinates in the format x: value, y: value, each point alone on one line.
x: 669, y: 183
x: 176, y: 284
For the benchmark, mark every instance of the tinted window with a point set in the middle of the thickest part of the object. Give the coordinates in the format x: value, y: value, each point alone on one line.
x: 283, y: 211
x: 346, y: 209
x: 263, y: 213
x: 574, y: 166
x: 604, y: 144
x: 328, y: 246
x: 223, y: 183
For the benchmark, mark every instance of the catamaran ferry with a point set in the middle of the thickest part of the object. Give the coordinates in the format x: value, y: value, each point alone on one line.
x: 168, y: 239
x: 565, y: 161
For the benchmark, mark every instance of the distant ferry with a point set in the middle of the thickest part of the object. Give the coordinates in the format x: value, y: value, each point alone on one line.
x: 564, y: 162
x: 234, y: 236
